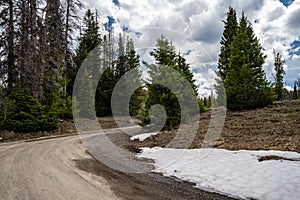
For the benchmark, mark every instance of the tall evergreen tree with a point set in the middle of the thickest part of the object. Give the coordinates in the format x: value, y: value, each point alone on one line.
x: 71, y: 19
x: 246, y: 84
x: 279, y: 70
x: 132, y: 65
x: 165, y: 54
x: 89, y: 39
x: 53, y: 72
x: 230, y: 27
x: 107, y: 81
x: 127, y: 74
x: 295, y: 92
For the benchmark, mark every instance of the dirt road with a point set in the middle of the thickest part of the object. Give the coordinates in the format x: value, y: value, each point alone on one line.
x: 45, y: 170
x: 60, y: 168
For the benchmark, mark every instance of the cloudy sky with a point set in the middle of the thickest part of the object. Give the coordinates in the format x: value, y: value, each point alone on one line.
x: 195, y: 28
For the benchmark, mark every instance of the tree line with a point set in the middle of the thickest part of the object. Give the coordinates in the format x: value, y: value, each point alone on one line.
x: 35, y: 52
x: 39, y: 65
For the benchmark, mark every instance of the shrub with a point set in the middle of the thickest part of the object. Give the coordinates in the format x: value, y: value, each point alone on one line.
x: 27, y: 114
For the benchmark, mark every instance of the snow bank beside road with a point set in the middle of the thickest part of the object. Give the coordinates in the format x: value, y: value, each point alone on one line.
x: 237, y: 173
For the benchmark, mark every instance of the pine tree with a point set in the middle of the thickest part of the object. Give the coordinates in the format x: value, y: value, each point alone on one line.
x: 128, y: 76
x: 132, y: 65
x: 295, y: 92
x: 278, y: 63
x: 230, y: 27
x: 165, y: 55
x: 89, y: 39
x: 246, y: 84
x: 121, y: 60
x: 107, y: 81
x: 86, y: 100
x: 54, y: 66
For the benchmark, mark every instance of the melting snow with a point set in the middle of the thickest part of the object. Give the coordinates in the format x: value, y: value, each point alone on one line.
x: 142, y: 137
x: 236, y: 173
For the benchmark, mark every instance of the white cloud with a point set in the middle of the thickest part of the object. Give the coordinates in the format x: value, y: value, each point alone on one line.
x: 201, y: 20
x: 289, y: 88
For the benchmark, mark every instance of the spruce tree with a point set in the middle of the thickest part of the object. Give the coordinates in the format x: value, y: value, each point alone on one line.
x: 230, y: 27
x: 89, y: 39
x: 295, y: 92
x: 279, y: 70
x: 127, y: 68
x: 165, y: 55
x: 133, y: 65
x: 246, y: 84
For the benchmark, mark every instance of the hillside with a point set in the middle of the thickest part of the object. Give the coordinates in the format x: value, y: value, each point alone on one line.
x: 276, y: 127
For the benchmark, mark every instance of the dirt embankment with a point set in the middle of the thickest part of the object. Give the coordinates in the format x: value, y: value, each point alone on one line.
x: 276, y: 127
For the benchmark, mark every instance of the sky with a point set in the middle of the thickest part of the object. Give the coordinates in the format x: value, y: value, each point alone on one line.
x: 195, y: 28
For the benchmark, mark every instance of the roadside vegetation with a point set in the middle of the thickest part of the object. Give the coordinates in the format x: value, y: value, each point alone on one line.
x: 39, y: 63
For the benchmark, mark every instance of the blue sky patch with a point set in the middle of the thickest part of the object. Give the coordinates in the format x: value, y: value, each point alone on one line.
x: 295, y: 48
x: 287, y: 3
x: 127, y: 29
x: 188, y: 52
x: 111, y: 21
x: 116, y: 2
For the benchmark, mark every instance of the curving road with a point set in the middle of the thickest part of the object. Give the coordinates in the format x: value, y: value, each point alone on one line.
x: 45, y: 169
x: 61, y: 169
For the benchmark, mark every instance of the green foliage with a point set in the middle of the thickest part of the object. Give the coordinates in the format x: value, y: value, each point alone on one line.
x: 205, y: 103
x: 165, y: 55
x: 202, y: 106
x: 104, y: 93
x: 136, y: 102
x: 295, y: 92
x: 87, y: 104
x: 26, y: 114
x: 89, y: 39
x: 22, y: 122
x: 127, y: 68
x: 75, y: 108
x: 230, y: 28
x: 244, y: 79
x: 67, y: 109
x: 278, y: 63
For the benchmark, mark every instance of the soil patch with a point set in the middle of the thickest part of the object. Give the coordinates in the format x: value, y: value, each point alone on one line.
x: 265, y: 158
x: 275, y: 127
x: 131, y: 186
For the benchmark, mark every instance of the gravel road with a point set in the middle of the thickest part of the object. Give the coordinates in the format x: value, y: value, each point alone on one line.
x: 46, y: 169
x: 61, y: 168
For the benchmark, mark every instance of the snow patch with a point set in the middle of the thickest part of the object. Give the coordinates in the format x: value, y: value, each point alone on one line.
x: 236, y: 173
x: 142, y: 137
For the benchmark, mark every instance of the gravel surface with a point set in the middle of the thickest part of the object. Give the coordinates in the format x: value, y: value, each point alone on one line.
x: 45, y: 169
x: 61, y: 168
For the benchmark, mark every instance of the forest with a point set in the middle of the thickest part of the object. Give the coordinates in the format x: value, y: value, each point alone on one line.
x: 40, y: 56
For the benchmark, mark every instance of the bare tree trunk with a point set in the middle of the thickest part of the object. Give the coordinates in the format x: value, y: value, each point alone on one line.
x: 12, y: 71
x: 33, y: 54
